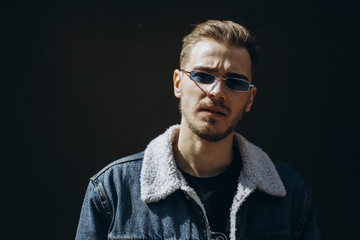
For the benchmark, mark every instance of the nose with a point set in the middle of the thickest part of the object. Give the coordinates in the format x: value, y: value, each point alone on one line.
x: 217, y: 92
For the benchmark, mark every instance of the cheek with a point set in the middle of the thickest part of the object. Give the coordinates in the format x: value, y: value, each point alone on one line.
x: 240, y: 104
x: 187, y: 101
x: 191, y: 93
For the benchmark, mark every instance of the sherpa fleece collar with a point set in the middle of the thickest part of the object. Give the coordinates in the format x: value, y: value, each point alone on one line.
x: 160, y: 176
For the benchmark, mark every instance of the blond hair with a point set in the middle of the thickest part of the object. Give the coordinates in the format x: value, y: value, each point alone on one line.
x: 224, y: 32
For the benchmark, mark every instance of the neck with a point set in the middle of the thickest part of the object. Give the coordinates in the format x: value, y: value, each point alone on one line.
x: 200, y: 157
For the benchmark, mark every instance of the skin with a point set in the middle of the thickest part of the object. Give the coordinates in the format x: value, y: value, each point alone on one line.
x: 204, y: 144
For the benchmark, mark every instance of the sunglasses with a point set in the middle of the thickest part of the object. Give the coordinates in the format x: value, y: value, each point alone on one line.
x: 236, y: 84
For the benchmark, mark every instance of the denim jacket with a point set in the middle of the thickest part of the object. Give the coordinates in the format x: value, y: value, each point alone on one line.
x: 145, y: 196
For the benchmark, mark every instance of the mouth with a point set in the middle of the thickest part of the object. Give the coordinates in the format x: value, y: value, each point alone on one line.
x: 214, y: 111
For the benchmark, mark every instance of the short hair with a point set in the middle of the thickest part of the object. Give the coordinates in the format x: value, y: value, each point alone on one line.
x: 224, y: 32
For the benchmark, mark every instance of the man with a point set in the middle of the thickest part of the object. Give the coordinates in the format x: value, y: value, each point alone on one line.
x: 200, y: 179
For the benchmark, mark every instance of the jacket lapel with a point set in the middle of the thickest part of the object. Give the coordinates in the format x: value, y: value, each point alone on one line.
x: 160, y: 176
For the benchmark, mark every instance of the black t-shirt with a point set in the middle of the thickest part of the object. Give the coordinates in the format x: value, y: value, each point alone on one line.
x: 217, y: 194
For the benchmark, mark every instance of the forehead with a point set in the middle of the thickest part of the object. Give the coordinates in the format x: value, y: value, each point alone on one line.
x: 221, y: 58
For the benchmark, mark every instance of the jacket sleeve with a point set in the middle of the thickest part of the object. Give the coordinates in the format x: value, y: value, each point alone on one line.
x: 307, y: 228
x: 94, y: 222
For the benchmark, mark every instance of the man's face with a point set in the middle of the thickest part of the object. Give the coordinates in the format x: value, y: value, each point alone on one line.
x: 215, y: 117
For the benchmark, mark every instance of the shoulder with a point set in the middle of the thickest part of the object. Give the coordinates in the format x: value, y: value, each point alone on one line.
x: 113, y: 182
x: 301, y: 200
x: 121, y: 166
x: 294, y: 183
x: 287, y: 171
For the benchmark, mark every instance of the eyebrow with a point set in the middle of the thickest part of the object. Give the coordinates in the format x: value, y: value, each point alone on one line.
x: 214, y: 71
x: 237, y: 75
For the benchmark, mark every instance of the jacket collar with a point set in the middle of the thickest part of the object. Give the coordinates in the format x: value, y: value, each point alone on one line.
x: 160, y: 176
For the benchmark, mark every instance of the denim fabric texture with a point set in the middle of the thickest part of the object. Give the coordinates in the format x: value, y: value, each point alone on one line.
x: 119, y: 204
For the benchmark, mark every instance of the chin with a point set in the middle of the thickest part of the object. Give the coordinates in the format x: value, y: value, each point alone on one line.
x: 210, y: 132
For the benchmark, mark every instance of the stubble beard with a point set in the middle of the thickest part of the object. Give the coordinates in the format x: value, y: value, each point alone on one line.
x: 208, y: 132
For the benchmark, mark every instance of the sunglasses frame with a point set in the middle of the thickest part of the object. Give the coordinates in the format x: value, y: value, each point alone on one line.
x: 219, y: 79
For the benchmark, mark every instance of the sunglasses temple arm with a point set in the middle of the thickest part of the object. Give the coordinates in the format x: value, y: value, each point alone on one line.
x: 206, y: 93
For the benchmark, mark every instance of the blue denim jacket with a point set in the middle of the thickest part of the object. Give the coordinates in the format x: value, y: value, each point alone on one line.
x: 145, y: 196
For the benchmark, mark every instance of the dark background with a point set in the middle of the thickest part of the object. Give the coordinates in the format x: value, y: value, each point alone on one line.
x: 87, y: 82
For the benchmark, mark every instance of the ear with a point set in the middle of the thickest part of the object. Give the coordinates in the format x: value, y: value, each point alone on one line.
x: 177, y: 83
x: 251, y: 99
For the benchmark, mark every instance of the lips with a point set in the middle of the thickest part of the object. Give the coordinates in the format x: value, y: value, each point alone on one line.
x: 214, y: 111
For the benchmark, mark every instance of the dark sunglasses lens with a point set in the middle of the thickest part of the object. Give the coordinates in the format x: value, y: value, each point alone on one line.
x: 237, y: 84
x: 202, y: 77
